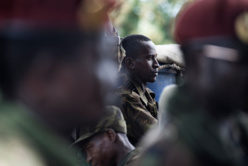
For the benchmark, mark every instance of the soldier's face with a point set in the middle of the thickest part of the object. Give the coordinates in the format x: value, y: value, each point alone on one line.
x: 221, y: 82
x: 85, y: 91
x: 146, y: 64
x: 99, y: 151
x: 77, y: 92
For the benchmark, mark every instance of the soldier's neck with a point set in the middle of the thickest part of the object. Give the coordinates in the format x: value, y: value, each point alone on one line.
x: 138, y: 81
x: 125, y: 147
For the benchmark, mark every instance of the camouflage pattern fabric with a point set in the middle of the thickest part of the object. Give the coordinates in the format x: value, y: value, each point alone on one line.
x: 111, y: 119
x: 200, y: 138
x: 25, y: 141
x: 139, y: 109
x: 130, y: 158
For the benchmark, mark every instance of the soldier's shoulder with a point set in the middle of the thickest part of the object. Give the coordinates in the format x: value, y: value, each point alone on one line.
x: 128, y: 94
x: 167, y: 93
x: 10, y: 113
x: 15, y: 148
x: 13, y: 141
x: 133, y: 157
x: 130, y: 159
x: 17, y: 123
x: 165, y: 151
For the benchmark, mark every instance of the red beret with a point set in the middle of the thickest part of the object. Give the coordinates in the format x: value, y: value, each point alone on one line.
x: 39, y: 12
x: 209, y: 18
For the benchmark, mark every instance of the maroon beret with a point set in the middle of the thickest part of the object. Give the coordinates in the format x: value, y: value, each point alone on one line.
x: 39, y: 12
x: 211, y: 18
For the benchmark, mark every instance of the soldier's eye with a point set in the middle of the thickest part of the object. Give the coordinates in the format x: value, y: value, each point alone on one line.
x: 149, y: 58
x: 89, y: 147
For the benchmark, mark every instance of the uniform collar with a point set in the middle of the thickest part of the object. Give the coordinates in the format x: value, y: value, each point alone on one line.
x: 129, y: 157
x: 132, y: 85
x: 143, y: 96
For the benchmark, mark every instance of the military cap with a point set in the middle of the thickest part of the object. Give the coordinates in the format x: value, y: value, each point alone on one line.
x: 212, y: 18
x: 112, y: 119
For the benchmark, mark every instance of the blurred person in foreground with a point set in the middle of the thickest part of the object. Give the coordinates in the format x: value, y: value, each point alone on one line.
x: 51, y: 80
x: 204, y: 125
x: 106, y: 143
x: 94, y: 15
x: 138, y: 103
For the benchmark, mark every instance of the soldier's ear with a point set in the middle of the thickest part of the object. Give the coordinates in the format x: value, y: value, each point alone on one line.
x: 111, y: 134
x: 129, y: 62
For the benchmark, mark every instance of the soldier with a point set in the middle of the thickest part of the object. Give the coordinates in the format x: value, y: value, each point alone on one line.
x: 50, y: 80
x: 106, y: 143
x: 203, y: 125
x: 137, y: 101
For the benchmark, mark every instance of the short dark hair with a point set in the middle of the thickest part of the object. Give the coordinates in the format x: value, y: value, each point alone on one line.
x: 131, y: 44
x: 19, y: 49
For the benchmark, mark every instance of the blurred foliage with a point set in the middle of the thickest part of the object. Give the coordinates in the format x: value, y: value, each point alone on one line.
x: 152, y: 18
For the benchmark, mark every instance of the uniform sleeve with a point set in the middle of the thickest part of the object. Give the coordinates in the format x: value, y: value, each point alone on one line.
x: 137, y: 117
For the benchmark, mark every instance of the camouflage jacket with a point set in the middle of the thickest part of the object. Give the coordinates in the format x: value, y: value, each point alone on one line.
x: 130, y: 158
x: 197, y: 138
x: 139, y: 109
x: 25, y: 141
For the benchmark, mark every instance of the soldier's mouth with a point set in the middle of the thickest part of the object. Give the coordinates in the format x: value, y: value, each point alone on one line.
x: 155, y: 73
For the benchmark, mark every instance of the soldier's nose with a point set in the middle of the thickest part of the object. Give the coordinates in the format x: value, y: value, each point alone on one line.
x: 156, y: 64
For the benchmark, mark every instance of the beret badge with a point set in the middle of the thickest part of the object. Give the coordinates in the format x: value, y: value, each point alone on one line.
x: 241, y: 27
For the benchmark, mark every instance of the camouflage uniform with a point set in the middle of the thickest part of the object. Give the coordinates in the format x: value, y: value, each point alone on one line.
x: 139, y: 109
x: 112, y: 119
x: 25, y: 141
x: 130, y: 158
x: 194, y: 133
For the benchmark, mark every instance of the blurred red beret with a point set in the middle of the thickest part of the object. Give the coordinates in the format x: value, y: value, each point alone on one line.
x: 84, y: 14
x: 210, y: 18
x: 43, y: 13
